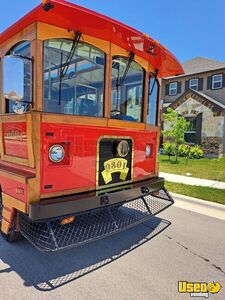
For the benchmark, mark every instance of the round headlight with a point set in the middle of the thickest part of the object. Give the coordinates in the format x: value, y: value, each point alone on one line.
x: 123, y: 148
x: 148, y: 151
x: 56, y: 153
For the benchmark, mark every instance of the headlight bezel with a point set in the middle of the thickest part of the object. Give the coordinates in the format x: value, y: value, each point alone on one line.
x: 148, y: 151
x: 50, y: 152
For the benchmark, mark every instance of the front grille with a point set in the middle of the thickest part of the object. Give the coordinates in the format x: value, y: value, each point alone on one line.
x: 109, y: 160
x: 50, y: 235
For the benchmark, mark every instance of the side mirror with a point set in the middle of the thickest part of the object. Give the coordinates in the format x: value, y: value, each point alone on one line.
x: 13, y: 78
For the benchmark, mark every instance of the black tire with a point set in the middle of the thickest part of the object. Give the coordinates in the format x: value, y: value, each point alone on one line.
x: 13, y: 235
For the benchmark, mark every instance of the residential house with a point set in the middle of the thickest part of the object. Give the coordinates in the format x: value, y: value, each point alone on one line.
x: 199, y: 96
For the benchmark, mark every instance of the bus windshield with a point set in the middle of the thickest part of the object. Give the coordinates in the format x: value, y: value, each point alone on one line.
x: 127, y: 94
x: 80, y: 89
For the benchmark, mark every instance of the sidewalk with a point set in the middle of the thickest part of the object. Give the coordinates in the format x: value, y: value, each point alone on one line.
x: 192, y: 180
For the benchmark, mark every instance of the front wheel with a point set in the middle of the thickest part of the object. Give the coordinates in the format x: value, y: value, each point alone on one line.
x: 13, y: 235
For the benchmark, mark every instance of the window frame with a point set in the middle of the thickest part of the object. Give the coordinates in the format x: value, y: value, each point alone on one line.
x: 170, y: 94
x: 216, y: 81
x: 129, y: 85
x: 103, y: 82
x: 11, y: 51
x: 153, y: 76
x: 196, y: 85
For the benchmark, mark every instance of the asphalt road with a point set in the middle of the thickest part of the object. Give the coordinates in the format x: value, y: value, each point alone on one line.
x: 129, y: 265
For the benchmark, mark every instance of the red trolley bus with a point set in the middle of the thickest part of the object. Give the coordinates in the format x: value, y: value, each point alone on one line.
x: 79, y: 126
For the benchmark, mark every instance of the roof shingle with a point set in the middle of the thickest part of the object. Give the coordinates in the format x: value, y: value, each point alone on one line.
x: 199, y: 65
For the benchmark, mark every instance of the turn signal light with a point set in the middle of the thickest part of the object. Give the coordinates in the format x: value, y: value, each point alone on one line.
x: 67, y: 220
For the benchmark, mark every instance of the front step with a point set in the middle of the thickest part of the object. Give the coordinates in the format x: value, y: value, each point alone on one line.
x: 50, y: 235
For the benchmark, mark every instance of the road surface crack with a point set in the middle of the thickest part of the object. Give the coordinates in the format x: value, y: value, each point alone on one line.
x: 198, y: 255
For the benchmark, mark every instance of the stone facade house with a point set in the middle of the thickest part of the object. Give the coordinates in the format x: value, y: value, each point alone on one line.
x: 199, y: 96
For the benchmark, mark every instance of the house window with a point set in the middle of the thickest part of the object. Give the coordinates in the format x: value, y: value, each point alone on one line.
x: 193, y: 84
x: 173, y: 88
x: 190, y: 134
x: 217, y: 81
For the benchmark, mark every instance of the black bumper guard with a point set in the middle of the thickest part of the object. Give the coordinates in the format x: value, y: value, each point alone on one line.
x: 50, y: 235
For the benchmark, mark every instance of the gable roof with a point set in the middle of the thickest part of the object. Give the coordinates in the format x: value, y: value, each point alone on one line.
x: 204, y: 99
x: 198, y: 65
x: 201, y: 64
x: 219, y: 104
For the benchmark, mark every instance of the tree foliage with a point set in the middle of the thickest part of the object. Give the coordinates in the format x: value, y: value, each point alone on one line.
x: 177, y: 125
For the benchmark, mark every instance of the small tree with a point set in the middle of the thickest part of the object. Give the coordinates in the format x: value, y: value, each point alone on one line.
x: 169, y: 149
x: 177, y: 126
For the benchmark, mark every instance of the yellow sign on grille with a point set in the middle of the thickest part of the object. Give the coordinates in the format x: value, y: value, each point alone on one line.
x: 113, y: 166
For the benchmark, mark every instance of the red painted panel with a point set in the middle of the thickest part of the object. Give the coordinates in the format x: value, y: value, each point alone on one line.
x: 78, y: 170
x: 15, y: 139
x: 13, y: 188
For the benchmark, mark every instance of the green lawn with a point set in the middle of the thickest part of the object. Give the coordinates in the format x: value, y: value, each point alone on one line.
x: 207, y: 168
x: 205, y: 193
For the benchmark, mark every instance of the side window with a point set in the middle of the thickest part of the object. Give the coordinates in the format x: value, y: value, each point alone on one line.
x: 73, y: 78
x: 127, y: 90
x: 152, y: 101
x: 22, y: 50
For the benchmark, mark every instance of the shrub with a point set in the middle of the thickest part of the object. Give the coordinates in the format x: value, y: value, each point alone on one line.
x: 183, y: 150
x: 169, y: 148
x: 196, y: 152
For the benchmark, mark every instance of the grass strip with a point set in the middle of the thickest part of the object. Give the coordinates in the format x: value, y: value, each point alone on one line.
x: 204, y: 193
x: 206, y: 168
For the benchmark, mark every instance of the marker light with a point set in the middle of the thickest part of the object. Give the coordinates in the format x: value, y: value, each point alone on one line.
x: 56, y: 153
x: 67, y: 220
x: 148, y: 150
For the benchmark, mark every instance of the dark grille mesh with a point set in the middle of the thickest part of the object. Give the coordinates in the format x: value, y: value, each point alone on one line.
x: 50, y: 235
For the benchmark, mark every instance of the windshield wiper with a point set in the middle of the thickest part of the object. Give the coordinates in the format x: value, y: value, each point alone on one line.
x: 155, y: 76
x: 120, y: 80
x: 64, y: 67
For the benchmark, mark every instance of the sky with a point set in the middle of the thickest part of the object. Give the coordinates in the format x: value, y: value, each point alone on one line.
x: 188, y: 28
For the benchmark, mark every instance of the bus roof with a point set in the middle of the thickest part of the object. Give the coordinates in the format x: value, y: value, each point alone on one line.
x: 70, y: 16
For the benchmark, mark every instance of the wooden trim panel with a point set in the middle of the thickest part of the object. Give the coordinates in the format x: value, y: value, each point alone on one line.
x: 12, y: 118
x: 5, y: 226
x: 33, y: 188
x: 37, y: 53
x: 13, y: 203
x: 29, y: 34
x: 16, y: 177
x: 73, y: 120
x: 46, y: 32
x: 30, y: 130
x: 126, y: 124
x: 108, y: 86
x: 7, y: 214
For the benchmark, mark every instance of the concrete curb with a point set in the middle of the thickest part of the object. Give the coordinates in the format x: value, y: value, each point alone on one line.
x: 204, y: 207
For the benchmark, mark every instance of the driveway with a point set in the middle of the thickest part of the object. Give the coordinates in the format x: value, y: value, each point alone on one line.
x: 136, y: 264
